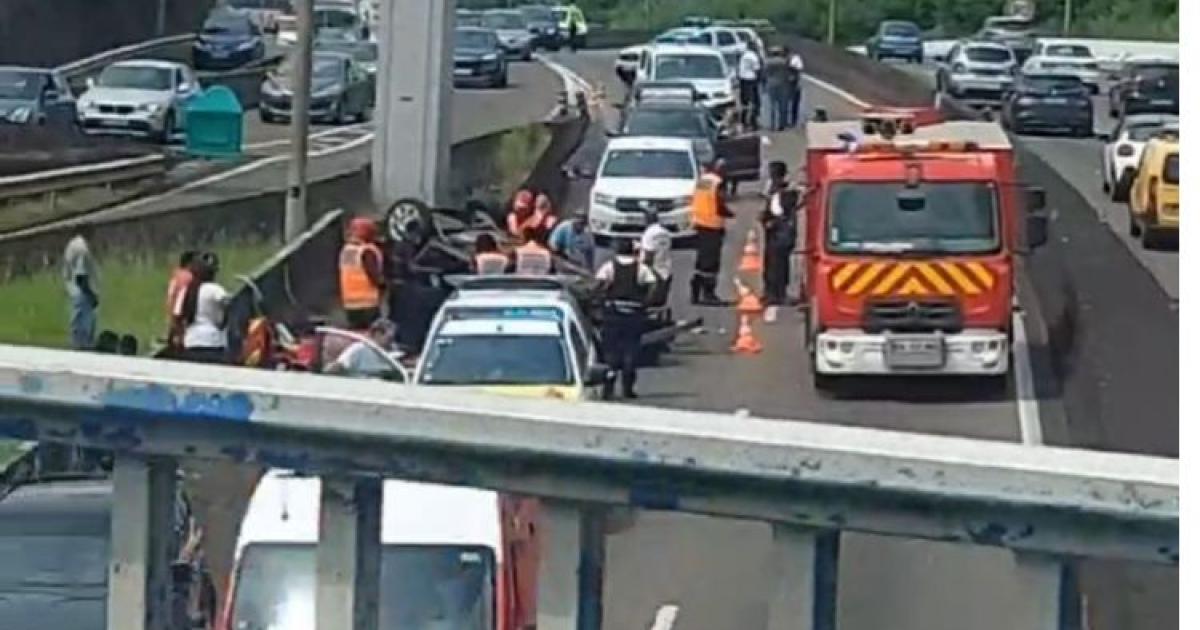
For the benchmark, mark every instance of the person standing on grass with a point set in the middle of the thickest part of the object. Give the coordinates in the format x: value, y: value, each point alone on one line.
x: 203, y: 312
x: 80, y: 278
x: 180, y: 279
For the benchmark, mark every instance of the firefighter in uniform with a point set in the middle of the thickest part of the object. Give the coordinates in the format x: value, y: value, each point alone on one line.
x: 709, y: 211
x: 360, y: 270
x: 488, y: 261
x: 627, y: 283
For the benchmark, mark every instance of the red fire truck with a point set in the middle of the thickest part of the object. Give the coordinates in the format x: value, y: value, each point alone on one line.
x: 912, y: 226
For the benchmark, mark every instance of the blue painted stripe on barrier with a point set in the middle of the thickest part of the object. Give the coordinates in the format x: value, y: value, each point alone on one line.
x: 159, y: 400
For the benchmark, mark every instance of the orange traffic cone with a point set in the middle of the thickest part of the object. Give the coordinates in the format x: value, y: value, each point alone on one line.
x: 745, y: 342
x: 748, y: 302
x: 751, y: 258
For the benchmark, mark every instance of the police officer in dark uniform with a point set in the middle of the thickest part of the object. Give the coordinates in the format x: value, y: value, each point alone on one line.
x: 627, y: 283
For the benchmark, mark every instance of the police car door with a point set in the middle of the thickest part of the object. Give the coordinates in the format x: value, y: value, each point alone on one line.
x: 742, y: 152
x: 583, y: 353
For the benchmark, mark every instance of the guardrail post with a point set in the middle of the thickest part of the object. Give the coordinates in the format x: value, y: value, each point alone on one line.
x: 1048, y: 592
x: 570, y: 576
x: 348, y: 562
x: 805, y: 579
x: 143, y: 524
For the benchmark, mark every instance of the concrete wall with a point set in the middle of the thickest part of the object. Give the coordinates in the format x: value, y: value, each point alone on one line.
x: 52, y: 32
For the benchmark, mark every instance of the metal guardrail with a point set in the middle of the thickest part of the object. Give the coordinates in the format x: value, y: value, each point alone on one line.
x: 99, y: 60
x: 64, y: 180
x: 1051, y: 500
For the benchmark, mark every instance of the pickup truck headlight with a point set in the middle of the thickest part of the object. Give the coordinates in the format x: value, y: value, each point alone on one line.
x: 682, y: 202
x: 604, y: 200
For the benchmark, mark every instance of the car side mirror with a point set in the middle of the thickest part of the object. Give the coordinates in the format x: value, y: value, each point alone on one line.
x: 597, y: 374
x: 1035, y: 199
x: 90, y: 82
x: 1104, y: 137
x: 51, y: 96
x: 1037, y: 228
x: 820, y: 115
x: 183, y: 88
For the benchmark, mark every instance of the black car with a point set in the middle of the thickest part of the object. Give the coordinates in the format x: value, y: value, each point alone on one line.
x: 341, y: 89
x: 478, y: 58
x: 1049, y: 102
x: 228, y: 39
x: 35, y: 96
x: 1145, y: 87
x: 544, y: 27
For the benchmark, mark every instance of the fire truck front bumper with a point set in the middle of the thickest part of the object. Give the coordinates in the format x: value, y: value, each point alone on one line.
x: 970, y: 352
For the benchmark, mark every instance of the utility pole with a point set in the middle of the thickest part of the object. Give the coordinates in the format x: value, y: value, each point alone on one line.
x: 295, y: 218
x: 831, y: 36
x: 161, y: 26
x: 1067, y: 18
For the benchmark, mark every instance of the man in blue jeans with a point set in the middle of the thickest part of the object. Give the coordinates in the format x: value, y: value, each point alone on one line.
x: 778, y: 89
x: 79, y: 277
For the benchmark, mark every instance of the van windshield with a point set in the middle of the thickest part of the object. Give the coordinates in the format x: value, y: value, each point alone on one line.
x: 420, y: 587
x: 956, y: 218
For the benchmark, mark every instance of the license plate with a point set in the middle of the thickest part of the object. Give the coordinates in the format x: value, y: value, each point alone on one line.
x: 462, y: 72
x: 117, y: 122
x: 1162, y: 101
x: 1056, y: 101
x: 920, y: 351
x: 220, y: 54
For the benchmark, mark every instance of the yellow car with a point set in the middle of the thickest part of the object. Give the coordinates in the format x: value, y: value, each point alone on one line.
x: 1154, y: 190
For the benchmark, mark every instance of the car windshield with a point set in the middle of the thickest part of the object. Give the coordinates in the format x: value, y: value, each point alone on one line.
x: 559, y: 14
x: 673, y: 123
x: 537, y: 14
x: 497, y: 360
x: 1067, y: 50
x: 61, y: 581
x: 135, y: 77
x: 228, y: 25
x: 988, y: 54
x: 901, y: 29
x: 420, y: 587
x: 474, y: 40
x: 469, y: 19
x: 1012, y: 25
x: 334, y: 18
x: 18, y: 84
x: 1170, y: 173
x: 504, y: 21
x: 956, y: 217
x: 677, y: 36
x: 668, y: 67
x: 1143, y: 132
x: 325, y: 67
x: 361, y: 51
x: 649, y: 163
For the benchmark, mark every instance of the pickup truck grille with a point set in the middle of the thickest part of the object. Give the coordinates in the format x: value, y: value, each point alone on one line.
x: 632, y: 204
x: 912, y: 316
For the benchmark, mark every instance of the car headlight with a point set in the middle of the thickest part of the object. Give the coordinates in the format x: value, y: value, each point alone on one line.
x: 152, y: 108
x: 330, y: 92
x: 490, y: 57
x: 20, y: 115
x: 720, y: 95
x: 247, y: 45
x: 1027, y: 101
x: 604, y: 200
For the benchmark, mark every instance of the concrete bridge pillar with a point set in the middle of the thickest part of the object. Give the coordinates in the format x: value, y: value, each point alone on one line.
x: 142, y: 543
x: 348, y: 560
x: 805, y: 579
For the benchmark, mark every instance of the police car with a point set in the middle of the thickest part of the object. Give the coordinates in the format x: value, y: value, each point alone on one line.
x: 638, y: 173
x: 517, y: 335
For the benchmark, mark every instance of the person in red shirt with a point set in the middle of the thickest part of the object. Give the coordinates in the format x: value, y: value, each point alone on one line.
x: 521, y: 215
x: 176, y: 287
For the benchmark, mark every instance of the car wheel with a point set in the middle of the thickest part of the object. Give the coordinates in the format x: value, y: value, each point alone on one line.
x: 264, y: 116
x: 502, y: 80
x: 168, y: 127
x: 410, y: 220
x: 1122, y: 186
x: 1149, y: 238
x: 1135, y: 229
x: 338, y: 115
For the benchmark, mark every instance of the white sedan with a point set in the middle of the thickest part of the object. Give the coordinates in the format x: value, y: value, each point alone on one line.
x: 1065, y: 57
x: 1123, y: 147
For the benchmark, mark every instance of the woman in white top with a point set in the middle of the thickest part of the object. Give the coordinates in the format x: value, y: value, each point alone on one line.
x: 203, y: 312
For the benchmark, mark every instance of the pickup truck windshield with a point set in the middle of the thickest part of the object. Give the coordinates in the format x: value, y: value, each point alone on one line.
x: 673, y: 123
x: 497, y: 360
x: 654, y: 164
x: 669, y: 67
x: 1171, y: 169
x: 420, y: 587
x: 957, y: 218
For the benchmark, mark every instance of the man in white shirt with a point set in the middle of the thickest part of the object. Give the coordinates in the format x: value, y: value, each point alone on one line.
x: 361, y: 359
x: 204, y: 338
x: 656, y: 246
x: 749, y: 75
x: 796, y: 65
x: 79, y: 277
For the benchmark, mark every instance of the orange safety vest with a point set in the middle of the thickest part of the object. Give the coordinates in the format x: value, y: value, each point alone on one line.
x: 358, y: 291
x: 533, y: 260
x: 490, y: 263
x: 705, y: 206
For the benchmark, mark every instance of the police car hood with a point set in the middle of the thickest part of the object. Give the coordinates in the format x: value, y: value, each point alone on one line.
x: 645, y: 187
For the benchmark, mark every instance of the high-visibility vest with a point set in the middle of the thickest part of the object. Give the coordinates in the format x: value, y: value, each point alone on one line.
x: 490, y: 263
x: 533, y: 260
x: 358, y: 291
x: 705, y: 213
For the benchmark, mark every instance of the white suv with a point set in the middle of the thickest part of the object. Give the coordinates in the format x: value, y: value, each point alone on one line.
x: 977, y: 71
x: 638, y: 173
x: 141, y: 97
x: 702, y: 66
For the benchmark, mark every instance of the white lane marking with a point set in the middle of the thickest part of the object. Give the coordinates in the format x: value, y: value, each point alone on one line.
x: 837, y: 91
x: 771, y: 314
x: 333, y: 131
x: 664, y: 619
x: 1028, y: 415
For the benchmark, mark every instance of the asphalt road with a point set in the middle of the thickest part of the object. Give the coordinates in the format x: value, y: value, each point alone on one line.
x: 1079, y: 161
x: 716, y: 569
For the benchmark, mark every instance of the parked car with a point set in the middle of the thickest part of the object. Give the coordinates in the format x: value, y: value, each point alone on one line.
x: 1123, y: 147
x: 703, y: 67
x: 723, y: 39
x: 341, y: 90
x: 1153, y: 189
x: 479, y: 58
x: 139, y: 97
x: 977, y: 71
x: 265, y: 13
x: 641, y: 172
x: 1048, y: 102
x: 35, y: 96
x: 228, y: 39
x: 1145, y: 85
x: 544, y: 27
x: 365, y: 53
x: 514, y: 35
x: 467, y: 17
x: 285, y: 30
x: 897, y: 39
x: 1065, y: 58
x: 340, y: 20
x: 1014, y: 31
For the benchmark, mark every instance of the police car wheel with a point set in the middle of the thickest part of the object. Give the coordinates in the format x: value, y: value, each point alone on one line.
x: 410, y: 220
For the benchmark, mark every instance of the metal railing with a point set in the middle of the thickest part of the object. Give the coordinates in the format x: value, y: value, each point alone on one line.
x: 50, y: 185
x: 102, y: 59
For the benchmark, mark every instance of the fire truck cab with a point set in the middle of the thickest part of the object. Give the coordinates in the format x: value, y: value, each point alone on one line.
x: 911, y: 228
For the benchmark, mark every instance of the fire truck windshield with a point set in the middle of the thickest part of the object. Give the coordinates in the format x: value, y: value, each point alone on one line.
x: 882, y: 217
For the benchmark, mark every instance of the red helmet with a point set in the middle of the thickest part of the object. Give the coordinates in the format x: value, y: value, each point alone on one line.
x: 362, y: 229
x: 523, y: 202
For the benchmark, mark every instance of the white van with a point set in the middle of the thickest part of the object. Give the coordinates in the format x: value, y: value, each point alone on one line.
x: 452, y: 558
x: 702, y: 66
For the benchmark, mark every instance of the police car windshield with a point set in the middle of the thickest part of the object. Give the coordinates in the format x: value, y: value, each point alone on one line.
x: 652, y: 164
x: 669, y: 67
x: 420, y: 587
x: 497, y: 360
x: 673, y: 123
x: 956, y: 218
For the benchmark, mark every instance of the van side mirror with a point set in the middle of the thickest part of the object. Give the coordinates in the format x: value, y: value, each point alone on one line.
x: 1035, y: 199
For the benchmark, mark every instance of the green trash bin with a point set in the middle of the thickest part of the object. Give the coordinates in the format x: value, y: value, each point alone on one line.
x: 214, y: 124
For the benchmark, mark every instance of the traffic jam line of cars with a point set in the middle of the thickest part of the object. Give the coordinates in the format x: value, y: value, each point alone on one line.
x: 485, y: 42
